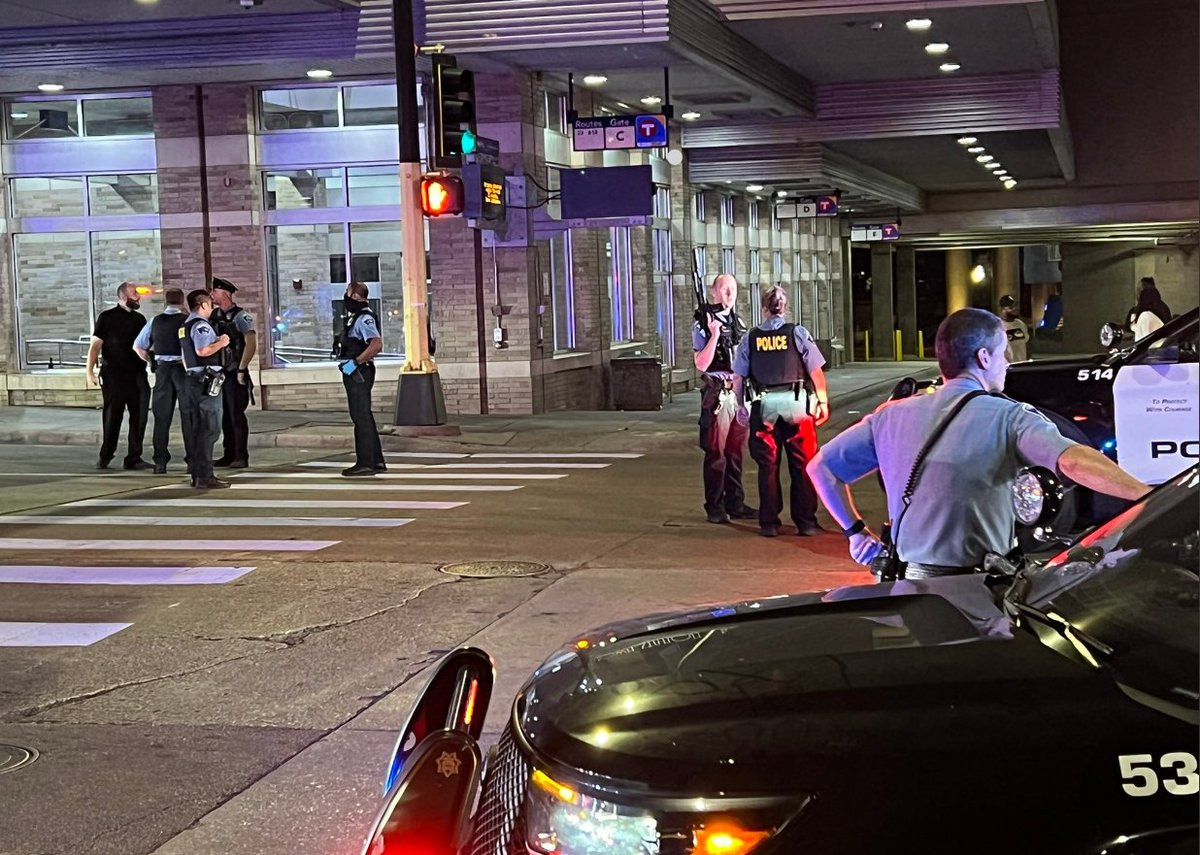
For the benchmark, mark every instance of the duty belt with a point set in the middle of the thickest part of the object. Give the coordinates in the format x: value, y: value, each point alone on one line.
x: 788, y: 387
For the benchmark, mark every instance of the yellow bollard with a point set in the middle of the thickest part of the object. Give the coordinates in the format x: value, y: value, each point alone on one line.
x: 920, y: 344
x: 899, y: 348
x: 866, y: 345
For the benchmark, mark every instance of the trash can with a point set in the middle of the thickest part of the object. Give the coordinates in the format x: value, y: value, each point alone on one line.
x: 636, y: 381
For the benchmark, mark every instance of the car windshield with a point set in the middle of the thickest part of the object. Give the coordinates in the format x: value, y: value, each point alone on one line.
x: 1132, y: 584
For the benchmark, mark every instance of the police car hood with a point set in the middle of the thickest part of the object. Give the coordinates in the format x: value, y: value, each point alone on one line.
x: 1062, y: 363
x: 804, y: 692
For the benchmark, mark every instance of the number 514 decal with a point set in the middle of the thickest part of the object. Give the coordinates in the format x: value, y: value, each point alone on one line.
x: 1141, y: 778
x: 1094, y: 374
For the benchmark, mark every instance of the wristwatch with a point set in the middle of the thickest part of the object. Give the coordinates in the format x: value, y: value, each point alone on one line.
x: 855, y: 528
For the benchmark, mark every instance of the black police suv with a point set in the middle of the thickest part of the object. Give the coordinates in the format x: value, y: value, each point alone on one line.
x: 1047, y: 709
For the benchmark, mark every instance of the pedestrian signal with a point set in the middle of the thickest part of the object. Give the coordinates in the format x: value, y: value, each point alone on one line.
x: 441, y: 194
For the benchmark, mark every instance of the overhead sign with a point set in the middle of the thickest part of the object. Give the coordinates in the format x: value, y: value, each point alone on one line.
x: 486, y: 150
x: 866, y: 234
x: 827, y: 206
x: 890, y: 231
x: 792, y: 210
x: 619, y: 132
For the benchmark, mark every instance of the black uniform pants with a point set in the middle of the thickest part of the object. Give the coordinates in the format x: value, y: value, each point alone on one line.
x: 168, y: 389
x: 234, y: 426
x: 201, y: 416
x: 368, y: 451
x: 773, y: 428
x: 722, y: 459
x: 121, y: 392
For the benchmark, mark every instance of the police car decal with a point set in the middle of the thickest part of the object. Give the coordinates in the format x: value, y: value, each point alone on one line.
x: 1157, y: 419
x: 1174, y: 771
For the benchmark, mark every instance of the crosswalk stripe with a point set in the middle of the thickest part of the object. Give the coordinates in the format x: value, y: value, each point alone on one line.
x: 616, y: 455
x: 59, y: 519
x: 31, y: 634
x: 237, y: 502
x: 43, y: 574
x: 51, y: 544
x: 394, y: 476
x: 440, y: 466
x: 374, y: 488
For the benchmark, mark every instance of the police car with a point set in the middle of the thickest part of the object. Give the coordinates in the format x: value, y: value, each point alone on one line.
x: 1051, y: 708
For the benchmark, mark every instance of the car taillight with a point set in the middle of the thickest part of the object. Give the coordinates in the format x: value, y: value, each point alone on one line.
x: 727, y: 840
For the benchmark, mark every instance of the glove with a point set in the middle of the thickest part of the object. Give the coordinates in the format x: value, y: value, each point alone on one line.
x: 349, y: 367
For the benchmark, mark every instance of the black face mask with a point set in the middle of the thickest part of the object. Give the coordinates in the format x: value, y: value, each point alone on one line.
x: 354, y: 305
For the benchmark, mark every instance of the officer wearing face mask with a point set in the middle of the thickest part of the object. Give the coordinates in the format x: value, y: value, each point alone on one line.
x: 122, y: 380
x: 356, y: 348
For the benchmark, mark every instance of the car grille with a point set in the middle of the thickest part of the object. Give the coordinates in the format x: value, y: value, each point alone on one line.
x: 500, y: 822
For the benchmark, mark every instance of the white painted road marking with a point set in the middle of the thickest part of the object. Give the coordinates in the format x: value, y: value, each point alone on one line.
x: 28, y: 634
x: 440, y: 466
x: 375, y: 488
x: 50, y: 544
x: 60, y: 519
x: 394, y: 476
x: 397, y: 505
x: 617, y: 455
x: 42, y: 574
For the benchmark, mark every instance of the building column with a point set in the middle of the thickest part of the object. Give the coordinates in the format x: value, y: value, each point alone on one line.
x: 958, y: 279
x: 883, y: 319
x: 1006, y: 274
x: 906, y: 297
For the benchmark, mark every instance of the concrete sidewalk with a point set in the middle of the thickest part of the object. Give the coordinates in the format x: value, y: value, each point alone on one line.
x: 579, y: 430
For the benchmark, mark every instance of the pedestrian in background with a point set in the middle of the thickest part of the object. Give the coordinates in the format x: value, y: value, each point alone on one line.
x: 232, y: 320
x: 1015, y: 329
x: 122, y: 381
x: 715, y: 337
x: 782, y: 364
x: 1150, y: 312
x: 357, y: 347
x: 158, y: 345
x: 200, y: 404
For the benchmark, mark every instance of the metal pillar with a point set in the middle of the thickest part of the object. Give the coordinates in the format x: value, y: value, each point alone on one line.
x: 906, y: 296
x: 883, y: 317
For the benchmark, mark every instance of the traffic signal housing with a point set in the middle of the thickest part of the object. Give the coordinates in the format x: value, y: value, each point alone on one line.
x: 441, y: 195
x: 452, y: 112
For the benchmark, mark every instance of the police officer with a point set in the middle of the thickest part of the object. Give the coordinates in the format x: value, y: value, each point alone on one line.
x: 158, y: 345
x: 200, y: 403
x: 232, y: 320
x: 961, y: 506
x: 715, y: 336
x: 782, y: 363
x: 1015, y: 329
x: 122, y: 381
x: 356, y: 349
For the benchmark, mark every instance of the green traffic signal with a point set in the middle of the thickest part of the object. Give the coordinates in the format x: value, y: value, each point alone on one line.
x: 468, y: 142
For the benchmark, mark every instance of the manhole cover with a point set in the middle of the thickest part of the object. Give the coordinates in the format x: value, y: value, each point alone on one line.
x: 14, y: 757
x: 493, y: 569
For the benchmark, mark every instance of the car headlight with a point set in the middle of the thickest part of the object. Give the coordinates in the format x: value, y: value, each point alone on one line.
x: 562, y: 821
x: 1111, y: 335
x: 1028, y: 497
x: 1038, y: 498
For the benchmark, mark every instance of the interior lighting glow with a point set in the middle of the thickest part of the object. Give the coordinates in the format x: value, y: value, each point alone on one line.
x: 690, y: 116
x: 918, y: 25
x: 319, y: 73
x: 781, y: 194
x: 976, y: 149
x: 753, y: 188
x: 560, y: 791
x: 50, y: 87
x: 600, y: 737
x: 727, y: 840
x: 19, y: 114
x: 948, y: 67
x: 967, y: 140
x: 651, y: 100
x: 985, y: 158
x: 936, y: 48
x: 1009, y: 183
x: 978, y: 274
x: 594, y: 79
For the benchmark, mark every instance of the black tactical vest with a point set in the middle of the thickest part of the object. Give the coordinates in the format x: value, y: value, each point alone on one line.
x: 164, y: 334
x: 187, y: 348
x: 223, y: 323
x: 347, y: 346
x: 731, y: 334
x: 774, y: 359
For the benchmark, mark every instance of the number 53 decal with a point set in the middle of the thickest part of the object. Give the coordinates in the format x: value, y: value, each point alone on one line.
x: 1141, y: 778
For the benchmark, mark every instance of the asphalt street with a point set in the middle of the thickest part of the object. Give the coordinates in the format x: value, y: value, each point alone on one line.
x: 204, y: 671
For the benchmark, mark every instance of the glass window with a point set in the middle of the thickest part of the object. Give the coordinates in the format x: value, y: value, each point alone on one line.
x: 47, y: 197
x: 374, y: 185
x: 370, y: 105
x: 562, y: 290
x: 300, y: 260
x: 755, y: 264
x: 117, y: 117
x: 662, y: 202
x: 774, y: 218
x: 620, y: 283
x: 309, y: 107
x: 701, y: 213
x: 664, y: 295
x: 31, y: 120
x: 556, y: 112
x: 305, y: 188
x: 53, y: 298
x: 122, y: 194
x: 700, y: 257
x: 128, y: 256
x: 727, y: 259
x: 752, y: 215
x: 662, y: 251
x: 376, y: 261
x: 727, y: 210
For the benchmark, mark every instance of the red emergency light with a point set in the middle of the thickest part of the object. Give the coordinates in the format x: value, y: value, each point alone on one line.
x: 441, y: 194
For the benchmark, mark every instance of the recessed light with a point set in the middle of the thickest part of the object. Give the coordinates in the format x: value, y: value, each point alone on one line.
x: 319, y: 73
x: 918, y: 25
x: 19, y: 114
x: 623, y: 105
x: 994, y: 166
x: 1010, y: 183
x: 1002, y: 174
x: 985, y: 158
x: 976, y: 149
x: 967, y: 140
x: 947, y: 67
x: 50, y: 87
x: 145, y: 2
x: 753, y: 188
x: 781, y: 193
x: 936, y: 48
x: 594, y: 79
x: 690, y: 115
x: 652, y: 100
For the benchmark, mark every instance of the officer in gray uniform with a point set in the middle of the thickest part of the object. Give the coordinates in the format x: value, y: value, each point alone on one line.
x: 232, y: 320
x: 356, y: 349
x: 158, y: 344
x: 200, y: 403
x: 781, y: 362
x: 961, y: 507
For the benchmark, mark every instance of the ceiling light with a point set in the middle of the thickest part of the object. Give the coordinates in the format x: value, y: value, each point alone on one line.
x: 19, y: 114
x: 319, y: 73
x: 985, y: 158
x: 623, y: 105
x: 651, y: 100
x: 947, y: 67
x: 1002, y: 174
x: 781, y: 193
x: 146, y: 2
x: 50, y: 87
x: 690, y: 115
x: 918, y: 25
x: 978, y: 274
x: 1009, y: 183
x: 976, y: 149
x: 753, y: 188
x: 994, y: 166
x: 967, y: 140
x: 936, y: 48
x: 594, y: 79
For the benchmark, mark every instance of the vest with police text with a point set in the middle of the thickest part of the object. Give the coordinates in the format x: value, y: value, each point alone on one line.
x: 774, y: 358
x: 351, y: 347
x: 187, y: 348
x: 164, y: 334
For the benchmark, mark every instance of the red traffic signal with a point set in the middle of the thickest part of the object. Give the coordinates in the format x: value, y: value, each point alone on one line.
x: 441, y: 194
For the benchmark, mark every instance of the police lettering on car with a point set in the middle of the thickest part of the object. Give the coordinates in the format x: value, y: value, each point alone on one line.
x: 232, y: 320
x: 356, y: 348
x: 159, y: 344
x: 200, y: 404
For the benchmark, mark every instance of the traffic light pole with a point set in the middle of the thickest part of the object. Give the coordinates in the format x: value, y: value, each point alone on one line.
x: 419, y: 398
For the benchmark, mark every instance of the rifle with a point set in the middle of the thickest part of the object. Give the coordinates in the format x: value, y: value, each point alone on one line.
x: 704, y: 309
